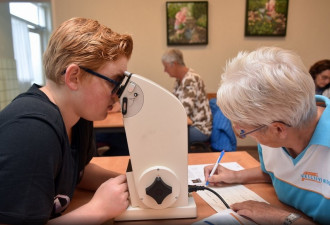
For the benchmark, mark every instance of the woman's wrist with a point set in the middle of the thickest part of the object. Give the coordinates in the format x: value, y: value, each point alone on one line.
x: 237, y: 175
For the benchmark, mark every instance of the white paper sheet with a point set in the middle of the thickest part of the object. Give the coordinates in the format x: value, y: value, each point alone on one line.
x: 228, y: 217
x: 230, y: 193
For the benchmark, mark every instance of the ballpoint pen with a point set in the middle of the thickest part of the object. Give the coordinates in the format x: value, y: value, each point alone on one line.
x: 216, y: 165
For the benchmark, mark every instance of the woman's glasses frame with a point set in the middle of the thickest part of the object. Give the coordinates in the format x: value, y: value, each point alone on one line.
x: 243, y: 134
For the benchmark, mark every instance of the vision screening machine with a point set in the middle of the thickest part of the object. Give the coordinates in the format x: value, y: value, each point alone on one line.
x: 156, y: 129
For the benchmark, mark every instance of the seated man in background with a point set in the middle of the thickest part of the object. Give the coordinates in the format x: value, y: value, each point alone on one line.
x: 269, y: 95
x: 190, y: 90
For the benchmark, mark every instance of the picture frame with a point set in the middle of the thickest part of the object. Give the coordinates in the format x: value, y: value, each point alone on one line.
x: 266, y: 17
x: 187, y: 22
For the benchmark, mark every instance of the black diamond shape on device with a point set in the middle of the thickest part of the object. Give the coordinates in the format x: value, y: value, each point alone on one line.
x: 159, y: 190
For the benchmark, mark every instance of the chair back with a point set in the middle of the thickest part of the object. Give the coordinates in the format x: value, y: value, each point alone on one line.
x: 222, y: 136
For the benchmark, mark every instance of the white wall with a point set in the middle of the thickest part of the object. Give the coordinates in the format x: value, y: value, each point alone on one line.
x: 308, y: 32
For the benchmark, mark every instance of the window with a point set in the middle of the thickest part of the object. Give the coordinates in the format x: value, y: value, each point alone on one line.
x: 31, y: 27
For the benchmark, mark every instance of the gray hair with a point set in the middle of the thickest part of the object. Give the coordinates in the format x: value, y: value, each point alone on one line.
x: 266, y: 85
x: 173, y: 55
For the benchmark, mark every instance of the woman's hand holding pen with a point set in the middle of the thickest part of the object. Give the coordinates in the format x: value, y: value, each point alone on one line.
x: 220, y: 176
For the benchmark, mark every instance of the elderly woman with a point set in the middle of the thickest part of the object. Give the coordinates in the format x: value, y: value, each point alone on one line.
x: 269, y: 95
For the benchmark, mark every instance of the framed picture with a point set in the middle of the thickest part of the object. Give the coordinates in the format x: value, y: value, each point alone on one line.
x: 266, y: 17
x: 187, y: 23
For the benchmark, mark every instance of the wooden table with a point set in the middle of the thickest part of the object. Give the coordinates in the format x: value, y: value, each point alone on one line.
x: 119, y: 164
x: 114, y: 122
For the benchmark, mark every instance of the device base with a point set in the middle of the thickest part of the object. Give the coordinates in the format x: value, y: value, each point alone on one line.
x: 136, y: 213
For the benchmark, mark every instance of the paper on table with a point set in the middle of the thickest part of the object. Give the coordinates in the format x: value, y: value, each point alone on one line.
x: 196, y: 172
x: 230, y: 193
x: 228, y: 217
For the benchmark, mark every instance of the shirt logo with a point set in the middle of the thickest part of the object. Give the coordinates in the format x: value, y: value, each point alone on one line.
x: 314, y: 177
x: 61, y: 202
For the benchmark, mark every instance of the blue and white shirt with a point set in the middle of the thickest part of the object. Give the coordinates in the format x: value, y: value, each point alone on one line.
x: 303, y: 182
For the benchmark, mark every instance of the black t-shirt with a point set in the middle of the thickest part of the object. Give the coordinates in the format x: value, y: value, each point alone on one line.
x: 39, y: 169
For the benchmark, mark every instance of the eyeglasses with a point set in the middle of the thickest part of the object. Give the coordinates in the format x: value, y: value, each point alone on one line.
x: 114, y: 84
x: 243, y: 134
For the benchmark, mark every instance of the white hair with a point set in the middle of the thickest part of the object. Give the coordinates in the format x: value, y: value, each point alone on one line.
x: 173, y: 55
x: 266, y: 85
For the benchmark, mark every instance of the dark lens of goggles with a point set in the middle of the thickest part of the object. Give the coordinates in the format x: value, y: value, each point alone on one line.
x: 117, y: 86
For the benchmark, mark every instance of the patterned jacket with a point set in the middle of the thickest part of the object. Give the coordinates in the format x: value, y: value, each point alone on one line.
x: 191, y: 93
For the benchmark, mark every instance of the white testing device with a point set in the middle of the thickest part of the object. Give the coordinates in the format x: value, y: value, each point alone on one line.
x: 157, y: 136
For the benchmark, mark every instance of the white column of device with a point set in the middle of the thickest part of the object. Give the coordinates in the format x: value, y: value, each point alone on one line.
x: 157, y: 135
